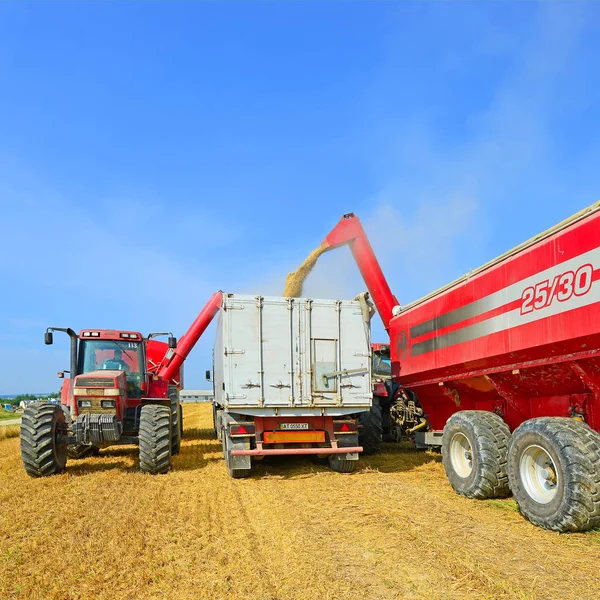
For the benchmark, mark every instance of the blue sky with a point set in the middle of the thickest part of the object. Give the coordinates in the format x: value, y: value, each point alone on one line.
x: 153, y: 153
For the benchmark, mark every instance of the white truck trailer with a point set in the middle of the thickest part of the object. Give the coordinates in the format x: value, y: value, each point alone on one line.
x: 291, y: 375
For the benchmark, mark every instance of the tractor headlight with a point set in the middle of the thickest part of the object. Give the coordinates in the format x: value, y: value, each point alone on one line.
x: 84, y: 404
x: 108, y: 403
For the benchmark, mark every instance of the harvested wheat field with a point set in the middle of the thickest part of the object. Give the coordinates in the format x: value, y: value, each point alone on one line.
x: 393, y: 529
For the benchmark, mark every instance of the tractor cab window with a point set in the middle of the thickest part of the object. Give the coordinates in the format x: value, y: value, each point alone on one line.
x: 113, y: 355
x: 382, y: 364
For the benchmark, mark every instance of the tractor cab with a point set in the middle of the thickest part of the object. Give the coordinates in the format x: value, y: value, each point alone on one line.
x: 382, y: 363
x: 104, y: 351
x: 108, y: 386
x: 381, y: 368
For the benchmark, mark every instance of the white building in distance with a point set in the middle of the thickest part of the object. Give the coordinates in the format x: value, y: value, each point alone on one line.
x: 196, y: 395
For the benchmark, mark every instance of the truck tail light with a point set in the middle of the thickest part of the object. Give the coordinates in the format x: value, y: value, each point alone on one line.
x: 344, y: 426
x: 242, y: 429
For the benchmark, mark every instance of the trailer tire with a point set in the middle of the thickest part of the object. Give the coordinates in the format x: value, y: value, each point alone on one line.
x: 42, y: 452
x: 554, y: 473
x: 155, y: 439
x: 180, y: 421
x: 214, y: 419
x: 370, y: 428
x: 234, y: 473
x: 175, y: 421
x: 474, y: 451
x: 76, y: 451
x: 341, y: 465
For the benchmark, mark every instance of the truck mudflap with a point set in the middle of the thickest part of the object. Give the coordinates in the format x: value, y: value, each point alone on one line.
x: 238, y: 459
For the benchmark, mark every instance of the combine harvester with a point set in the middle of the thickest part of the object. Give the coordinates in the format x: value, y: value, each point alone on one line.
x: 501, y: 369
x: 123, y: 389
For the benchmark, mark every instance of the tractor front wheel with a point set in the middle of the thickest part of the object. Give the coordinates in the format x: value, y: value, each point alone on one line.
x: 155, y: 439
x: 42, y: 450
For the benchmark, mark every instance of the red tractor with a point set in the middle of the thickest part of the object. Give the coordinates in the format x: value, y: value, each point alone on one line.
x: 501, y: 368
x: 123, y: 389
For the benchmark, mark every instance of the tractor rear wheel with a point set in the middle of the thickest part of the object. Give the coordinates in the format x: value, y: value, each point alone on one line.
x: 76, y: 451
x: 474, y: 448
x: 554, y: 472
x: 370, y: 428
x: 155, y: 439
x: 42, y: 451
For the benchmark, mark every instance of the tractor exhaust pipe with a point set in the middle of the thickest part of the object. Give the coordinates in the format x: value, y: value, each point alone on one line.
x: 48, y: 340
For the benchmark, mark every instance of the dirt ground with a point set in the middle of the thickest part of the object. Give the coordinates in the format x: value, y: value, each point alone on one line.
x: 393, y: 529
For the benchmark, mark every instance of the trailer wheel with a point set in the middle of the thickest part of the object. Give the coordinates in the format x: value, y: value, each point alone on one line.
x: 554, y: 473
x: 217, y: 423
x: 370, y: 430
x: 175, y: 421
x: 235, y: 473
x: 77, y: 451
x: 214, y: 416
x: 155, y: 439
x: 42, y: 451
x: 180, y: 421
x: 474, y: 449
x: 341, y: 465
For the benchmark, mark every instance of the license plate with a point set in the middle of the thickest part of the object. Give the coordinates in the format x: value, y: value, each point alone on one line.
x: 293, y: 426
x: 294, y: 437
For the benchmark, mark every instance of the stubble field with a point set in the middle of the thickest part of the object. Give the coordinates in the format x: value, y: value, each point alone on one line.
x: 295, y: 530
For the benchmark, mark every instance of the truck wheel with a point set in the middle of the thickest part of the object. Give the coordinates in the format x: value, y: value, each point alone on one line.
x: 341, y: 465
x: 76, y: 451
x: 474, y: 448
x: 155, y: 439
x: 42, y: 451
x: 235, y: 473
x: 370, y: 428
x: 554, y: 473
x: 180, y: 421
x: 216, y: 425
x: 175, y: 422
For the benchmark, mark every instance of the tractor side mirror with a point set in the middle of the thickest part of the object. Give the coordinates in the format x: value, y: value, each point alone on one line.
x: 172, y: 342
x: 61, y: 374
x: 207, y: 375
x: 48, y: 338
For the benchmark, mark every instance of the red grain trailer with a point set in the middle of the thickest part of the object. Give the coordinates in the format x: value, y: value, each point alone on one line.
x: 501, y: 368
